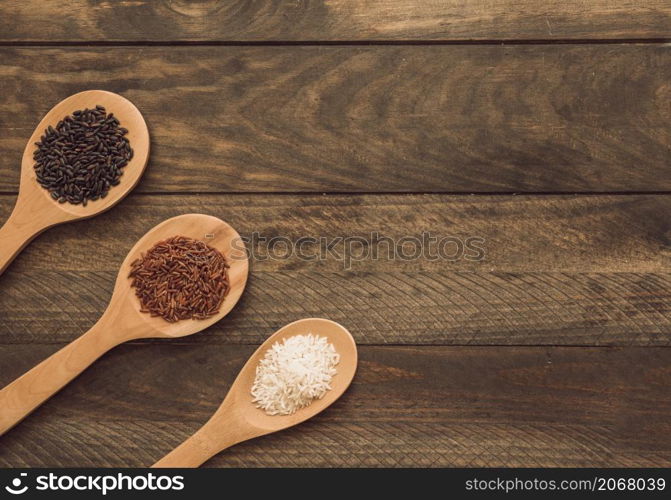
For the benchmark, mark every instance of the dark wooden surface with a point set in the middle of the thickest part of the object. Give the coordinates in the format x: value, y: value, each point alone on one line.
x: 550, y: 350
x: 411, y: 406
x: 540, y: 118
x: 332, y: 20
x: 557, y: 270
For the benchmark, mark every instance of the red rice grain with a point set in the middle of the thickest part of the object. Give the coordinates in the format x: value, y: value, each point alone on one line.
x: 181, y: 278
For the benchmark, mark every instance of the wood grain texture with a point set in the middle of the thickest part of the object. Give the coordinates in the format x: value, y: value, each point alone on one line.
x: 410, y: 308
x: 487, y: 370
x: 529, y: 233
x: 336, y: 20
x: 408, y: 406
x: 526, y: 118
x: 555, y: 270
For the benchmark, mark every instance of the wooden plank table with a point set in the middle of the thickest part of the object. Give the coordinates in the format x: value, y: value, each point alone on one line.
x: 541, y: 129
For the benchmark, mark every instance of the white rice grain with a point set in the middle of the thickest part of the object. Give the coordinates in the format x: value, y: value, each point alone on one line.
x: 294, y: 373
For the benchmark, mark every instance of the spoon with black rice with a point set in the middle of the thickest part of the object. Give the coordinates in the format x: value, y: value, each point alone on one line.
x: 85, y: 156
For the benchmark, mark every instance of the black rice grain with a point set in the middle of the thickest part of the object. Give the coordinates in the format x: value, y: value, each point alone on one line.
x: 83, y: 157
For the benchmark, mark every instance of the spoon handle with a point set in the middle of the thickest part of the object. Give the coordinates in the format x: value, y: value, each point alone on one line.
x: 191, y: 453
x: 215, y: 436
x: 18, y: 231
x: 26, y: 393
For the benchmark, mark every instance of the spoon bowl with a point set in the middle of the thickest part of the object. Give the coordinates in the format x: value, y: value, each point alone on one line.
x: 344, y: 344
x: 238, y: 419
x: 122, y: 320
x: 35, y: 210
x: 125, y: 306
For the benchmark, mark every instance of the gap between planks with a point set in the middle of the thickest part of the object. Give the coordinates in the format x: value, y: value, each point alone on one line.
x: 390, y: 193
x: 346, y: 43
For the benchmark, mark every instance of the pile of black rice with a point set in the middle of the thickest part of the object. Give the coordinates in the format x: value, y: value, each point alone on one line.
x: 83, y: 157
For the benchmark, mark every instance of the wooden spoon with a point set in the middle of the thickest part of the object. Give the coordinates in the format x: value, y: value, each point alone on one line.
x: 237, y: 419
x: 35, y: 210
x: 123, y: 321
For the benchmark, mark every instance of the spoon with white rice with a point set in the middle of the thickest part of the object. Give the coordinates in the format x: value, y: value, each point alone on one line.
x: 299, y: 371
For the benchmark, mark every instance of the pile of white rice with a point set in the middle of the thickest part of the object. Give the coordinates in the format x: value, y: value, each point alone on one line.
x: 294, y: 373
